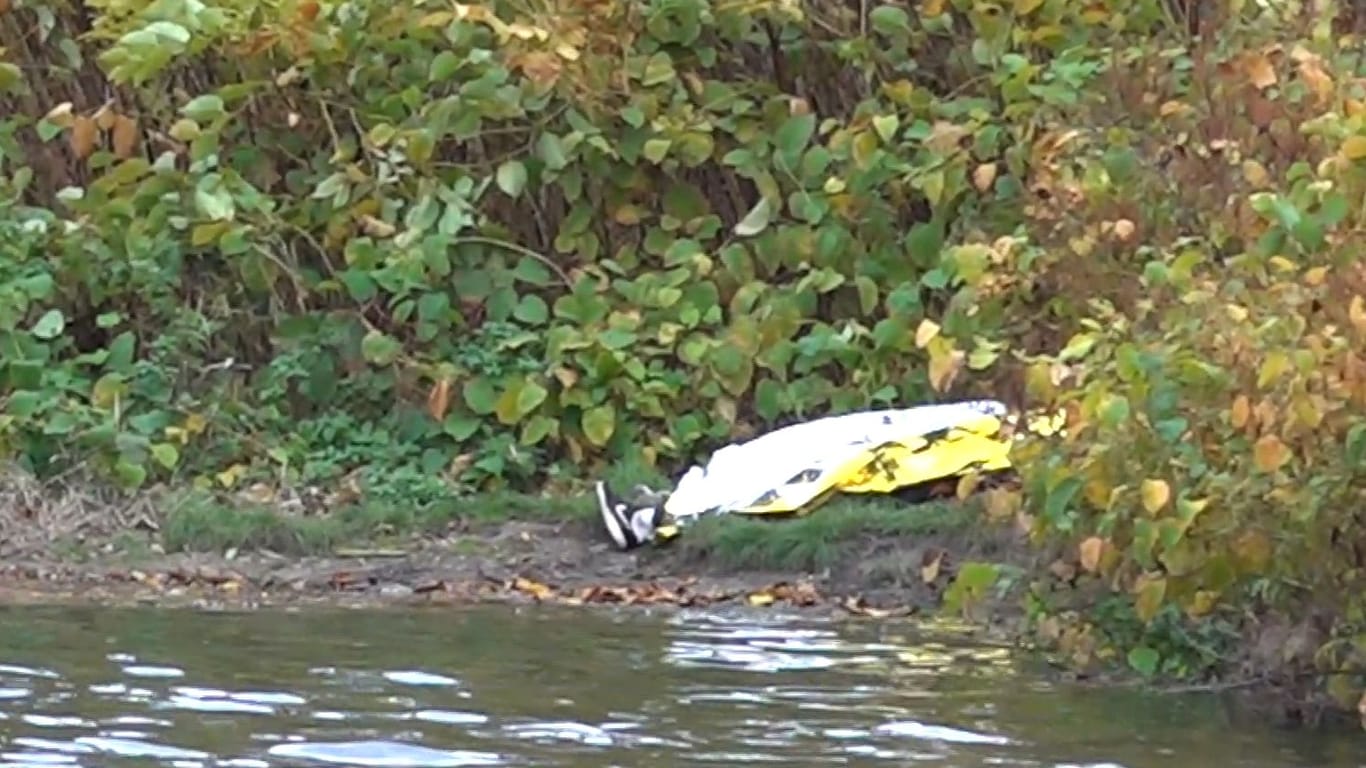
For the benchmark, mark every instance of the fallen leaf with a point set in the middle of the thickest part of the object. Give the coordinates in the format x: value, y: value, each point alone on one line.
x: 1356, y: 313
x: 84, y: 133
x: 1124, y: 230
x: 1269, y: 453
x: 1255, y: 173
x: 1155, y: 494
x: 125, y: 136
x: 1089, y: 552
x: 439, y: 399
x: 1259, y: 70
x: 760, y: 599
x: 929, y: 571
x: 1239, y: 413
x: 534, y: 588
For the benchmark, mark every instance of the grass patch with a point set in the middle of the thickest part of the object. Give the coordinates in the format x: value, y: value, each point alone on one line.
x: 200, y: 522
x: 820, y: 539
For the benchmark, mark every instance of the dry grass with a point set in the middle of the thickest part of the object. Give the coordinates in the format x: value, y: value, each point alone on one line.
x: 35, y: 514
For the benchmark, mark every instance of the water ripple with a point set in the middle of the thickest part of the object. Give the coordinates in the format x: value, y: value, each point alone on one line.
x: 697, y: 687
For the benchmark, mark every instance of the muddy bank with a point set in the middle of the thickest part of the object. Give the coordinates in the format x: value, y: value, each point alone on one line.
x: 568, y: 562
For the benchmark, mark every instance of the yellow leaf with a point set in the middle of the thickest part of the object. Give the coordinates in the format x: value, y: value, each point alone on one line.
x: 1354, y: 147
x: 1255, y: 173
x: 1239, y: 413
x: 1023, y: 7
x: 1149, y: 598
x: 945, y: 362
x: 930, y: 570
x: 1201, y: 603
x: 1316, y: 276
x: 1307, y: 412
x: 760, y: 599
x: 1269, y: 453
x: 1173, y: 107
x: 926, y: 332
x: 1276, y: 365
x: 983, y: 176
x: 1089, y: 552
x: 1155, y: 494
x: 1259, y: 71
x: 536, y: 589
x: 1356, y: 313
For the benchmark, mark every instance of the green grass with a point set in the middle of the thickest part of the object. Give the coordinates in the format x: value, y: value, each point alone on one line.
x: 820, y: 539
x: 197, y: 521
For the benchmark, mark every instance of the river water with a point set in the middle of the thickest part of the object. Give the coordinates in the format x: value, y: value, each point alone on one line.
x: 555, y: 687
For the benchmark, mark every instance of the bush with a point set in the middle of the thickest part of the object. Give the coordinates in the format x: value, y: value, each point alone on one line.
x: 435, y: 249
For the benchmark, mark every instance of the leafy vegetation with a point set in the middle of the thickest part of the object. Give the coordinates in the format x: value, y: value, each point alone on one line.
x: 414, y: 251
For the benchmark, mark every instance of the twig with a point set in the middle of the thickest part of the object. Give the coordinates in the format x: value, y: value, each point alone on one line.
x: 518, y: 249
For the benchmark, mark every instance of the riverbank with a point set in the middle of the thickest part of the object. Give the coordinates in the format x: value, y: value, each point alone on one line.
x: 855, y: 556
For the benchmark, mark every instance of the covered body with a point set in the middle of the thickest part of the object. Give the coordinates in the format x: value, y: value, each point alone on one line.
x: 863, y: 452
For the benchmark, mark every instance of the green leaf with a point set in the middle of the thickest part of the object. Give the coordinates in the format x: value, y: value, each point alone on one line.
x: 10, y: 76
x: 551, y: 151
x: 792, y: 137
x: 598, y: 424
x: 890, y: 20
x: 1058, y: 500
x: 867, y: 294
x: 460, y: 426
x: 512, y: 178
x: 537, y: 428
x: 1144, y: 660
x: 756, y: 220
x: 443, y: 67
x: 1356, y: 445
x: 129, y: 474
x: 212, y: 200
x: 166, y: 454
x: 23, y: 403
x: 532, y: 310
x: 977, y: 577
x: 519, y: 400
x: 50, y: 325
x: 886, y: 127
x: 655, y: 150
x: 203, y: 109
x: 480, y: 395
x: 380, y: 348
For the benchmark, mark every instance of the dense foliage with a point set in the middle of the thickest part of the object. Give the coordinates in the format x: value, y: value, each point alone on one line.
x: 422, y: 248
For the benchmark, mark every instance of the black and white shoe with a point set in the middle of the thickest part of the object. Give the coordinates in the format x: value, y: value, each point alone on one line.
x: 616, y: 517
x: 630, y: 524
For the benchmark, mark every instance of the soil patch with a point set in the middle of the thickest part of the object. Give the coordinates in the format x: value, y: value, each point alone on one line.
x: 881, y: 562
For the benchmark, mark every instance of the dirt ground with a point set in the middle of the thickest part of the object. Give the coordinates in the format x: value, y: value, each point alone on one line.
x: 518, y: 562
